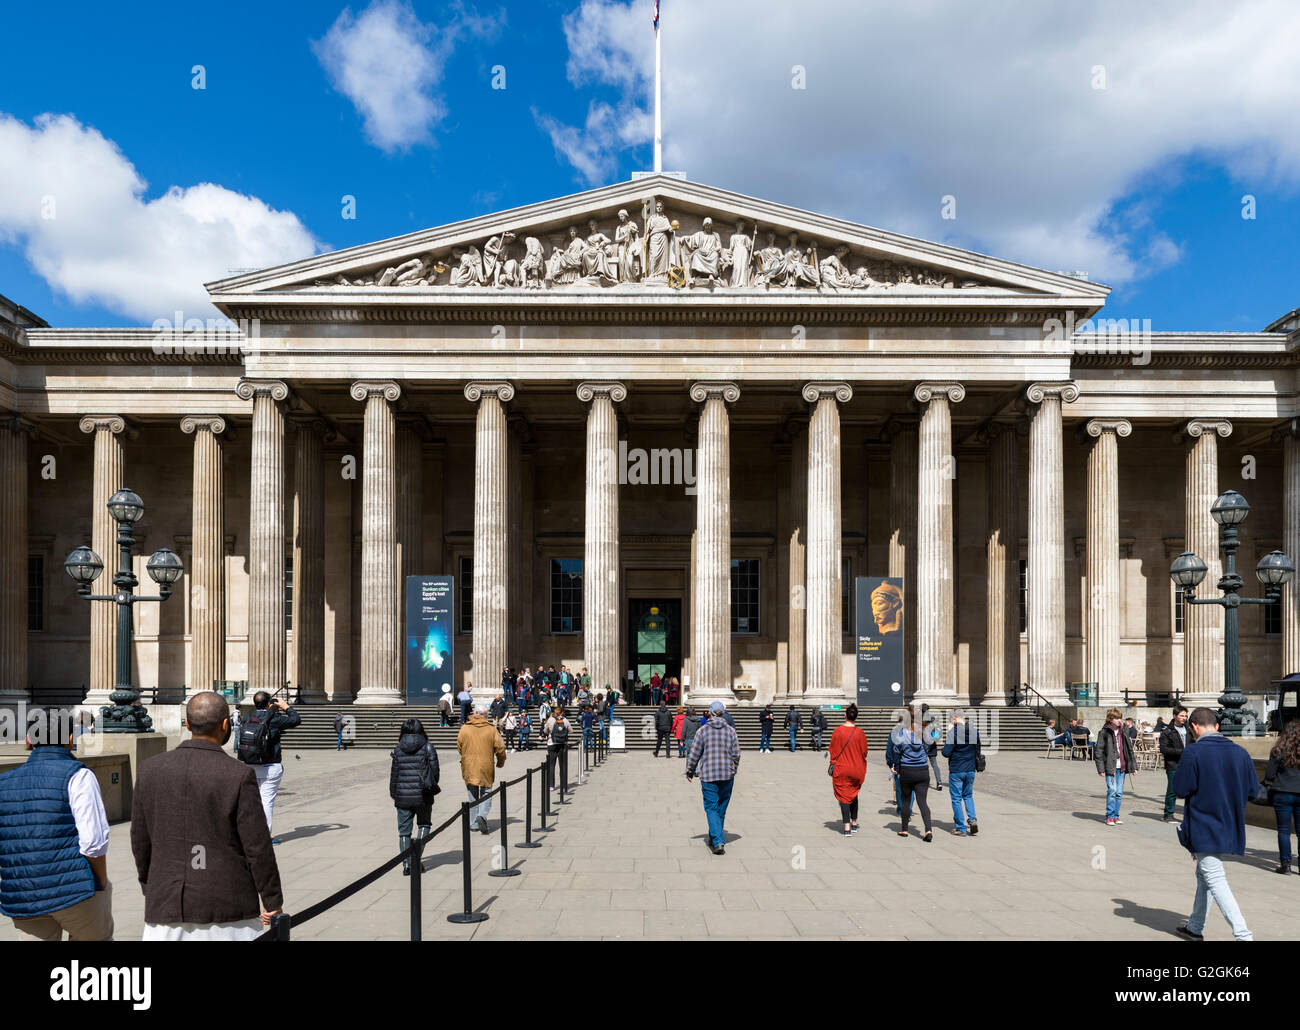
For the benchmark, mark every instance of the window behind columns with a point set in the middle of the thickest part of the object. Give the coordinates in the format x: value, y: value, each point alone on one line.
x: 744, y: 596
x: 36, y: 593
x: 1273, y: 618
x: 846, y: 596
x: 1024, y: 594
x: 566, y: 595
x: 466, y: 593
x: 1180, y: 607
x: 288, y: 592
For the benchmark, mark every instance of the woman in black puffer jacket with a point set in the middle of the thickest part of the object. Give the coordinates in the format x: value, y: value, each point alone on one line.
x: 412, y: 783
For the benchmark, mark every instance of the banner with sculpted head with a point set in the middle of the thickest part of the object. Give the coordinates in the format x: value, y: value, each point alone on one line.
x: 879, y: 627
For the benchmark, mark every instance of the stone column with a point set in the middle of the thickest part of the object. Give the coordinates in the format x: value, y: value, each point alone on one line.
x: 1045, y: 616
x: 208, y: 564
x: 1103, y: 601
x: 1291, y: 546
x: 1203, y: 623
x: 14, y: 683
x: 267, y: 654
x: 103, y: 617
x: 711, y: 653
x: 409, y: 522
x: 380, y: 684
x: 825, y: 599
x: 902, y: 533
x: 1002, y: 548
x: 796, y: 667
x: 491, y: 536
x: 936, y: 682
x: 309, y: 560
x: 600, y: 564
x: 517, y: 597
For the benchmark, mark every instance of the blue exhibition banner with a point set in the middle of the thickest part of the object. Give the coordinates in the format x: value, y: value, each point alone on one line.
x: 430, y: 640
x: 880, y: 640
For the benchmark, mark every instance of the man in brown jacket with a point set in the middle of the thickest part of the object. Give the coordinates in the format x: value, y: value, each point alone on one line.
x: 202, y: 850
x: 479, y: 742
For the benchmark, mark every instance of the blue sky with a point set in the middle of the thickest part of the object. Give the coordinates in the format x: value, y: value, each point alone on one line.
x: 1139, y: 182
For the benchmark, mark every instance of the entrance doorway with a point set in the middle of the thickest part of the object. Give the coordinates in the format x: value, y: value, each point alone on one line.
x: 654, y: 638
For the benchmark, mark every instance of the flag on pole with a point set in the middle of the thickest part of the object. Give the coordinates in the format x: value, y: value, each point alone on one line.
x: 656, y: 14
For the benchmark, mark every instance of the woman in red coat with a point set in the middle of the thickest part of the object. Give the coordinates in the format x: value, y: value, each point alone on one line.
x: 848, y: 754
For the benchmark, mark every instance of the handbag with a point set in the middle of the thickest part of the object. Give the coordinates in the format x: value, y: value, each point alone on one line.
x: 980, y: 764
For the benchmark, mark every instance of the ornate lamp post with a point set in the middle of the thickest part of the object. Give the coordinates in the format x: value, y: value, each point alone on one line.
x: 126, y: 714
x: 1273, y: 570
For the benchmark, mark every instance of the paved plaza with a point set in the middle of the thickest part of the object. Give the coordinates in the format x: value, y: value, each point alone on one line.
x: 629, y: 860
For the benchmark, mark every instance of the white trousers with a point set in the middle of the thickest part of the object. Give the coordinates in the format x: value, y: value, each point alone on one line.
x: 244, y: 930
x: 268, y: 785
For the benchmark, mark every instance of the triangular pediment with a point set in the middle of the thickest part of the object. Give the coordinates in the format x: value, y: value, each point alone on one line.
x: 649, y: 237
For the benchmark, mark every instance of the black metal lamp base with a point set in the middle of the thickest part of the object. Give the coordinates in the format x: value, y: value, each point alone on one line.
x: 1237, y: 720
x: 125, y: 719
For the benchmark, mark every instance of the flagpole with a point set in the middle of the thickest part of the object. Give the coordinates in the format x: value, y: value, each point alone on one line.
x: 659, y: 134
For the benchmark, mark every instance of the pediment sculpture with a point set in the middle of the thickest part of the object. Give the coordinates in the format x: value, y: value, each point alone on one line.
x: 662, y: 253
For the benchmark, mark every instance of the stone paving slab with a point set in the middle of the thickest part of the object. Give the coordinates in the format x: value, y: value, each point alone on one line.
x: 627, y: 859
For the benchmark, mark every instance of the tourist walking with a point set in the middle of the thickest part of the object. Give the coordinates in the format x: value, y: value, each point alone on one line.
x: 848, y: 767
x: 932, y: 738
x: 479, y: 744
x: 715, y: 755
x: 525, y: 730
x: 656, y: 687
x: 793, y: 722
x: 220, y: 811
x: 679, y: 718
x: 556, y: 735
x: 690, y: 727
x: 912, y: 767
x: 1114, y: 757
x: 510, y: 726
x: 412, y: 783
x: 1173, y: 739
x: 54, y: 838
x: 963, y: 749
x: 259, y: 746
x: 817, y: 724
x: 1283, y: 780
x: 338, y: 730
x: 663, y: 730
x: 465, y: 699
x: 1216, y: 779
x: 444, y: 710
x: 766, y: 721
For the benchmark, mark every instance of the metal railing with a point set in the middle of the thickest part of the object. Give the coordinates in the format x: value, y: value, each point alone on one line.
x: 593, y: 753
x: 1026, y: 696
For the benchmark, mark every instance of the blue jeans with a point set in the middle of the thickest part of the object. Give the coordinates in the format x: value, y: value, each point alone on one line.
x: 340, y: 744
x: 716, y: 798
x: 766, y: 743
x: 681, y: 748
x: 523, y: 740
x: 793, y: 732
x: 1211, y: 881
x: 1287, y: 809
x: 586, y: 738
x: 961, y: 786
x: 1114, y: 794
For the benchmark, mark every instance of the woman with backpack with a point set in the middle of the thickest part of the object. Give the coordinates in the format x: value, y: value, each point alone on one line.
x: 1283, y: 777
x: 912, y: 768
x: 412, y: 783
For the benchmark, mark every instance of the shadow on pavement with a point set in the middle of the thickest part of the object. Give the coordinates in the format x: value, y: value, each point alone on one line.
x: 303, y: 832
x: 1152, y: 918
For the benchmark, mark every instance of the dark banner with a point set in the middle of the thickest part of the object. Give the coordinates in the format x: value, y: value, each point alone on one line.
x: 430, y: 640
x: 879, y: 627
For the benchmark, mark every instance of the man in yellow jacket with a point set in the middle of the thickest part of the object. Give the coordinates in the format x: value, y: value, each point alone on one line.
x: 479, y: 743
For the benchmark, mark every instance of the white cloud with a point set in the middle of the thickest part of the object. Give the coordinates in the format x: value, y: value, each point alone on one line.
x: 75, y: 204
x: 991, y: 103
x: 388, y: 63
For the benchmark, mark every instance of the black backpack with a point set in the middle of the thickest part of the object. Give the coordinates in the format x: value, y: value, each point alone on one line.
x: 254, y: 745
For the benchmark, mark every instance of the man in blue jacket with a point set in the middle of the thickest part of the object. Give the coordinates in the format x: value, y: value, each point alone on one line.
x: 1216, y: 777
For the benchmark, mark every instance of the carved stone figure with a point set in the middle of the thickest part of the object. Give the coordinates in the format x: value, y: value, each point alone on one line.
x: 598, y: 260
x: 533, y: 266
x: 658, y: 238
x: 468, y: 270
x: 740, y: 253
x: 494, y: 257
x: 771, y: 263
x: 800, y: 268
x: 835, y: 276
x: 627, y: 239
x: 702, y: 255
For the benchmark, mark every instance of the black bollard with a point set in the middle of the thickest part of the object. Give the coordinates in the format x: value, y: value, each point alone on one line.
x: 280, y: 925
x: 528, y: 814
x: 505, y: 869
x: 468, y: 915
x: 564, y: 774
x: 417, y: 869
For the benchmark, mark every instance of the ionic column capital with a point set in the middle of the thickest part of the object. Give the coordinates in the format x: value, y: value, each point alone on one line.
x: 503, y: 390
x: 1198, y: 427
x: 616, y: 392
x: 247, y: 389
x: 94, y: 423
x: 996, y: 428
x: 312, y: 424
x: 15, y: 423
x: 1067, y: 392
x: 813, y: 392
x: 364, y: 389
x: 214, y: 424
x: 925, y: 392
x: 702, y: 391
x: 1095, y: 427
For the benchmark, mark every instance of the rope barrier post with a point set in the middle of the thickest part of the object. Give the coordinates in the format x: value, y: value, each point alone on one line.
x: 280, y: 926
x: 564, y: 773
x: 505, y: 869
x: 468, y: 915
x: 546, y: 796
x: 528, y: 814
x: 417, y: 870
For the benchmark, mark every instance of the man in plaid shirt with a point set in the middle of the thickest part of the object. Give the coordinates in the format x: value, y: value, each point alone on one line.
x: 716, y: 755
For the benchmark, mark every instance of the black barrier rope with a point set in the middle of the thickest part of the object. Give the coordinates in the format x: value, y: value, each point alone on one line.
x: 282, y: 923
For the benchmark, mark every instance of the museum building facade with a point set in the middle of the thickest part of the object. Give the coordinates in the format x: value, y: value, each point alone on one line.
x: 661, y: 401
